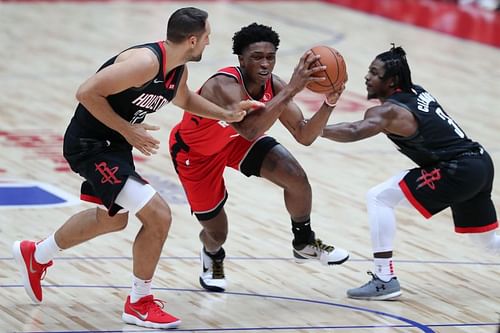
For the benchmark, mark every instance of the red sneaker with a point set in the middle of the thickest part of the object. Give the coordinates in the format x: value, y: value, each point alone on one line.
x: 31, y: 271
x: 148, y: 312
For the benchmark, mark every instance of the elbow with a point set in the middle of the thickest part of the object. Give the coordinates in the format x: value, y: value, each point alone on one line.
x: 249, y: 134
x: 305, y: 141
x: 304, y: 137
x: 80, y: 95
x: 83, y: 94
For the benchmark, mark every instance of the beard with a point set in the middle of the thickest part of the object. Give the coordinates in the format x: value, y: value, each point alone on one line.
x: 196, y: 58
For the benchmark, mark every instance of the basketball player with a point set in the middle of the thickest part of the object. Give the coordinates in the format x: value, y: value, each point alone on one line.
x: 98, y: 143
x: 452, y: 170
x: 202, y: 148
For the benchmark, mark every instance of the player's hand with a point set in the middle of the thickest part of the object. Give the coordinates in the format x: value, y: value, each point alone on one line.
x: 138, y: 136
x: 241, y: 109
x: 304, y: 71
x: 333, y: 97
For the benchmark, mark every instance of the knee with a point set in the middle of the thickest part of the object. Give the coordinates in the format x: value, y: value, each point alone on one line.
x: 156, y: 216
x: 162, y: 220
x: 372, y: 195
x: 297, y: 176
x: 121, y: 222
x: 383, y: 195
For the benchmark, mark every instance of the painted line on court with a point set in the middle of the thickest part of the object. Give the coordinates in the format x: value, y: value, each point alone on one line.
x: 197, y: 258
x: 408, y: 323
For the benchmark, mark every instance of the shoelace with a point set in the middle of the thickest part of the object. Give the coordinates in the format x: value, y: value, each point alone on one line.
x: 217, y: 269
x: 156, y: 306
x: 374, y: 277
x: 318, y: 244
x: 44, y: 269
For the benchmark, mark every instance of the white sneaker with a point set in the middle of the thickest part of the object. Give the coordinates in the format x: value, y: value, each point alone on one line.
x: 212, y: 275
x: 325, y: 254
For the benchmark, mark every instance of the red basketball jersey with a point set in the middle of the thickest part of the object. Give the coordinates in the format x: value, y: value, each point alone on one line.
x: 208, y: 136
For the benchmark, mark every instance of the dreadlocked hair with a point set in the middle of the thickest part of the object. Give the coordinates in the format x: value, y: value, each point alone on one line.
x: 397, y: 67
x: 254, y: 33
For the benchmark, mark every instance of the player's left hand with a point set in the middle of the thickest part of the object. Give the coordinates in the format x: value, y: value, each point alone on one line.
x: 333, y: 97
x: 241, y: 109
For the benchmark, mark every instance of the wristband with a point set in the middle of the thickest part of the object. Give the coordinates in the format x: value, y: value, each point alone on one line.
x: 330, y: 105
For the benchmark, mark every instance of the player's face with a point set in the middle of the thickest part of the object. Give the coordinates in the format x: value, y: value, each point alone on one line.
x: 258, y: 61
x: 376, y: 87
x: 201, y: 42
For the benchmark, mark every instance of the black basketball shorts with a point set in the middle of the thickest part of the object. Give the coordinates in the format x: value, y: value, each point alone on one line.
x: 464, y: 184
x: 105, y: 167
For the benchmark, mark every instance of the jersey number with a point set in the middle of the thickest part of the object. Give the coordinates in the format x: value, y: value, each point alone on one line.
x: 450, y: 121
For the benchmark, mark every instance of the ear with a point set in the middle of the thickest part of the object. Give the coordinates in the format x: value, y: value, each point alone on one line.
x: 192, y: 41
x: 394, y: 82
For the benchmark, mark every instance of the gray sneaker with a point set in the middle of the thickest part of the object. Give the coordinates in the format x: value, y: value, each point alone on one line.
x: 376, y: 289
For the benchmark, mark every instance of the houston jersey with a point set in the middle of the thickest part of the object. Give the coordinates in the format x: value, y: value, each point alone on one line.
x: 438, y: 137
x: 208, y: 136
x: 132, y: 104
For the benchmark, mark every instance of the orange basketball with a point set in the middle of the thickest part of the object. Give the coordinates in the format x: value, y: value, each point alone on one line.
x: 335, y: 72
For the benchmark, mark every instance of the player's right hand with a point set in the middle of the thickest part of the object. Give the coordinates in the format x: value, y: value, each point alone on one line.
x: 304, y: 71
x: 138, y: 136
x: 241, y: 109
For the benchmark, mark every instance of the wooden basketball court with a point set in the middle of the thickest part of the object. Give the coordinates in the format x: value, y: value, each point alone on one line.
x: 49, y: 48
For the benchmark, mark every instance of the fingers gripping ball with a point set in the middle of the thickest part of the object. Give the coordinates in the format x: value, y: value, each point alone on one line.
x: 335, y: 73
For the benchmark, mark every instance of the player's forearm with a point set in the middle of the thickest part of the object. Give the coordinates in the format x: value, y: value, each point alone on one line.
x: 258, y: 122
x: 202, y: 107
x: 99, y: 107
x: 313, y: 127
x: 341, y: 132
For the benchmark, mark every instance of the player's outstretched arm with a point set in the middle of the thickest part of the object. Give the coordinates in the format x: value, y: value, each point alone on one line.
x: 258, y: 122
x: 199, y: 105
x: 305, y: 131
x: 376, y: 119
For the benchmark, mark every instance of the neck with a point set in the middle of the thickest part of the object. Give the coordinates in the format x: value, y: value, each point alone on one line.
x: 176, y: 55
x: 254, y: 89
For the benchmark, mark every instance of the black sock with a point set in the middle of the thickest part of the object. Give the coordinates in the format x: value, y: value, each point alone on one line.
x: 221, y: 254
x: 302, y: 232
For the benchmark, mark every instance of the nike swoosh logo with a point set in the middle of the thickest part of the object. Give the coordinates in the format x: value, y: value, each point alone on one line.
x: 142, y: 316
x: 157, y: 81
x: 32, y: 271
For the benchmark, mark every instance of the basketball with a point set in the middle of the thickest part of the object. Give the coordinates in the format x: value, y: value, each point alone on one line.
x: 335, y: 72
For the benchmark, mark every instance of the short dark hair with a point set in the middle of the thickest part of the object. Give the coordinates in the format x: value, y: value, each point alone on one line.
x: 254, y: 33
x: 185, y: 22
x: 396, y: 66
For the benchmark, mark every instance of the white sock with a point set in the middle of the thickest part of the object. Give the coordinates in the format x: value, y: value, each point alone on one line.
x: 383, y: 268
x: 140, y: 288
x: 46, y: 250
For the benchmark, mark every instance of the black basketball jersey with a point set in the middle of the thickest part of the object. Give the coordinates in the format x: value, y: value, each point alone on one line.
x: 438, y: 137
x: 132, y: 104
